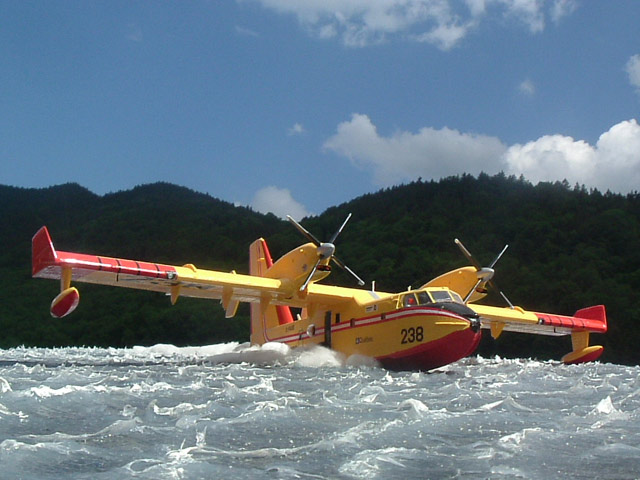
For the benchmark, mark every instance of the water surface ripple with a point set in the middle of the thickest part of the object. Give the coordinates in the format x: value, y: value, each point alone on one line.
x: 234, y: 411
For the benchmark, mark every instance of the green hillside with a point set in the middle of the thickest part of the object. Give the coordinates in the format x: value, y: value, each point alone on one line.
x: 569, y: 248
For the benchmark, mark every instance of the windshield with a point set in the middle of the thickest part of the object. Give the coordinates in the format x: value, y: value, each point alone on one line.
x: 425, y: 297
x: 441, y: 296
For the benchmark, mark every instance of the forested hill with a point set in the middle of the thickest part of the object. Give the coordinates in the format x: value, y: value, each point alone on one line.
x: 569, y: 248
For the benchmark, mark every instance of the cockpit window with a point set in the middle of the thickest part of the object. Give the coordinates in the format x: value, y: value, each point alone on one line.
x: 426, y: 297
x: 441, y: 296
x: 423, y: 298
x: 456, y: 297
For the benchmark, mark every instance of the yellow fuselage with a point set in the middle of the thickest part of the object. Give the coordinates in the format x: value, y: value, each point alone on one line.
x: 408, y: 330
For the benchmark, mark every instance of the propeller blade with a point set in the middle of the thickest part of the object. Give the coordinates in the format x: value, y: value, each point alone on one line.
x: 498, y: 257
x: 494, y: 285
x: 308, y: 279
x: 468, y: 296
x: 324, y: 251
x: 335, y: 235
x: 467, y: 254
x: 305, y: 232
x: 344, y: 267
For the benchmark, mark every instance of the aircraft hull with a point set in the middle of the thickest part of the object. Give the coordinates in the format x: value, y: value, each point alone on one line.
x: 434, y: 354
x: 415, y: 338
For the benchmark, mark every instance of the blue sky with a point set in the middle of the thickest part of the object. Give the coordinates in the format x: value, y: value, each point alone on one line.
x: 293, y: 107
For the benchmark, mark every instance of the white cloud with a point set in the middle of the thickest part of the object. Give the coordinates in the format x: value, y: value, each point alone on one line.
x: 445, y: 37
x: 613, y: 163
x: 476, y: 7
x: 443, y: 23
x: 247, y: 32
x: 562, y: 8
x: 279, y: 202
x: 552, y: 157
x: 633, y: 70
x: 428, y: 153
x: 527, y: 87
x: 529, y: 12
x: 296, y: 129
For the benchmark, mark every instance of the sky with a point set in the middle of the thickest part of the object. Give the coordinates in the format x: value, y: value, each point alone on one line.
x: 295, y: 106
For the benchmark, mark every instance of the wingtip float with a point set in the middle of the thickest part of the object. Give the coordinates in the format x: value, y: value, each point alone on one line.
x: 420, y: 329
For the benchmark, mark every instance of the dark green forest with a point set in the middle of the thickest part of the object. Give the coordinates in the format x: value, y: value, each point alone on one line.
x: 569, y: 248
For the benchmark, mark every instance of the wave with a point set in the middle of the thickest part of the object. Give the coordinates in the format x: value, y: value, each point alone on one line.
x: 269, y: 354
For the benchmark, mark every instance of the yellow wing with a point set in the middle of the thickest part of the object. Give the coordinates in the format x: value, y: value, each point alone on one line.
x: 579, y: 326
x: 189, y: 281
x: 464, y: 281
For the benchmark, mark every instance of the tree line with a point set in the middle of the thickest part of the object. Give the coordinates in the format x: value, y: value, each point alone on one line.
x: 569, y: 247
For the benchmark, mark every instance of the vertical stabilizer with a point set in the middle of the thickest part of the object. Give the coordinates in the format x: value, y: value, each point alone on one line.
x: 263, y: 315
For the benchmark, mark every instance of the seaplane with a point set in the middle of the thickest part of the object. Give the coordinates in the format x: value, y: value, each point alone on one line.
x: 417, y: 329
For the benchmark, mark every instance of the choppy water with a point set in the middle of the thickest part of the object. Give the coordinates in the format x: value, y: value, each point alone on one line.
x: 234, y: 412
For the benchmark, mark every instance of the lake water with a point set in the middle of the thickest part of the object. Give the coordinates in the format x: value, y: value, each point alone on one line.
x: 238, y: 412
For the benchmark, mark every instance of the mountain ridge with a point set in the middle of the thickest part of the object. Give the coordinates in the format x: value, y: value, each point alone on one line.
x: 569, y: 248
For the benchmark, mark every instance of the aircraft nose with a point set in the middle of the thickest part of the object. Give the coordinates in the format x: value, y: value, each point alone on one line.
x: 475, y: 324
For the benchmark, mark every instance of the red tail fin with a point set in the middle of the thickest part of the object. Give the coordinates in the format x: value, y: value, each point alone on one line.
x: 284, y: 312
x: 264, y: 316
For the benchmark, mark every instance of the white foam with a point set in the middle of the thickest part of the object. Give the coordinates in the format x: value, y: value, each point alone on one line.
x: 212, y: 412
x: 605, y: 407
x: 317, y: 356
x: 4, y: 386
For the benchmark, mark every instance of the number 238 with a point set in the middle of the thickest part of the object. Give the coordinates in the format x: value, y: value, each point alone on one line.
x: 411, y: 335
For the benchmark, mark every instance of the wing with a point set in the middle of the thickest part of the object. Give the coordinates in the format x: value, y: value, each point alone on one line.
x: 464, y: 281
x: 176, y: 281
x: 579, y: 326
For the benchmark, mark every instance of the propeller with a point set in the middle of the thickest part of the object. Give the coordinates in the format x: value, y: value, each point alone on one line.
x: 485, y: 274
x: 325, y: 250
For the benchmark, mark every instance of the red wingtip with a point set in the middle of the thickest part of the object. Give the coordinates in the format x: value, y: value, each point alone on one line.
x: 597, y: 313
x: 42, y: 252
